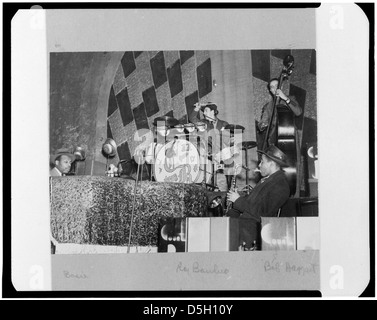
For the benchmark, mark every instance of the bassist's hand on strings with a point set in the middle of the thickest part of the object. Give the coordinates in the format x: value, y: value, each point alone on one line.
x: 262, y: 126
x: 281, y: 95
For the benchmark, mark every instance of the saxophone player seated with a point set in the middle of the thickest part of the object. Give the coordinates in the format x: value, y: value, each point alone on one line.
x: 265, y: 199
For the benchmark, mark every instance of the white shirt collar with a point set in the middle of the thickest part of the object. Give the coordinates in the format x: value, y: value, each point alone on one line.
x: 57, y: 170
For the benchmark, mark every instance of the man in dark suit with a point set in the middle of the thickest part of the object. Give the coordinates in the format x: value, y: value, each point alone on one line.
x: 265, y: 199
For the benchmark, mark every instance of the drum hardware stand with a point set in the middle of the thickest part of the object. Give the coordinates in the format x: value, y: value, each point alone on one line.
x: 214, y: 176
x: 246, y: 168
x: 245, y: 146
x: 204, y: 181
x: 215, y: 168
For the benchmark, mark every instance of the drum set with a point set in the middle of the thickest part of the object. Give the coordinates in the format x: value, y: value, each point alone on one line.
x: 185, y: 155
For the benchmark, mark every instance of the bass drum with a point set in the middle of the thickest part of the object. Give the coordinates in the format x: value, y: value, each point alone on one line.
x: 177, y: 161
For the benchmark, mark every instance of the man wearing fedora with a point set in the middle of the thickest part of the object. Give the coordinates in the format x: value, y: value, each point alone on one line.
x: 265, y: 199
x: 62, y: 161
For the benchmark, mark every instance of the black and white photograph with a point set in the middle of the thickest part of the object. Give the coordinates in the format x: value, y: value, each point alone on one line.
x: 182, y: 152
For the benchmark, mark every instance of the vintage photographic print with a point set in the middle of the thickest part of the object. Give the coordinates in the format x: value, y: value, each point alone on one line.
x: 189, y: 162
x: 158, y: 136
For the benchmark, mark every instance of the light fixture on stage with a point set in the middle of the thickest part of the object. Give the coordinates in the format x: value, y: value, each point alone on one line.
x: 79, y: 154
x: 109, y: 147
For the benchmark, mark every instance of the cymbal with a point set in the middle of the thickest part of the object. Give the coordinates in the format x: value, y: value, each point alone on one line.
x: 169, y: 121
x: 248, y: 144
x: 233, y: 127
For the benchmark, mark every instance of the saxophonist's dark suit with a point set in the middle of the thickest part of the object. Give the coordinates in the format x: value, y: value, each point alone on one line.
x: 264, y: 200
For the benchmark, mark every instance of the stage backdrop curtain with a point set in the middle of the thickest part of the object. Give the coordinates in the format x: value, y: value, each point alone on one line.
x: 232, y: 91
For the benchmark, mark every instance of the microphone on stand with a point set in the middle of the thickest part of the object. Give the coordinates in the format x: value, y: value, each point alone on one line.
x: 133, y: 208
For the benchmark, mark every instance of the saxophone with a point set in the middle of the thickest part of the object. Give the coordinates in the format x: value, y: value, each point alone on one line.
x: 232, y: 188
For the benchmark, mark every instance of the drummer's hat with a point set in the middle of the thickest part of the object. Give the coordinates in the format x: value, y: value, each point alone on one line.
x: 210, y: 105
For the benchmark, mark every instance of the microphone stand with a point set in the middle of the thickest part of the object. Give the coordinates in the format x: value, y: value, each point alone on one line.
x: 133, y: 207
x: 107, y: 162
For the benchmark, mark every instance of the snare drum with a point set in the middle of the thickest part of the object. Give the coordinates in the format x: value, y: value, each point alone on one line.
x: 177, y: 161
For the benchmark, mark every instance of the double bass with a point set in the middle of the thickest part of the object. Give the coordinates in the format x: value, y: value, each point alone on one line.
x: 285, y: 128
